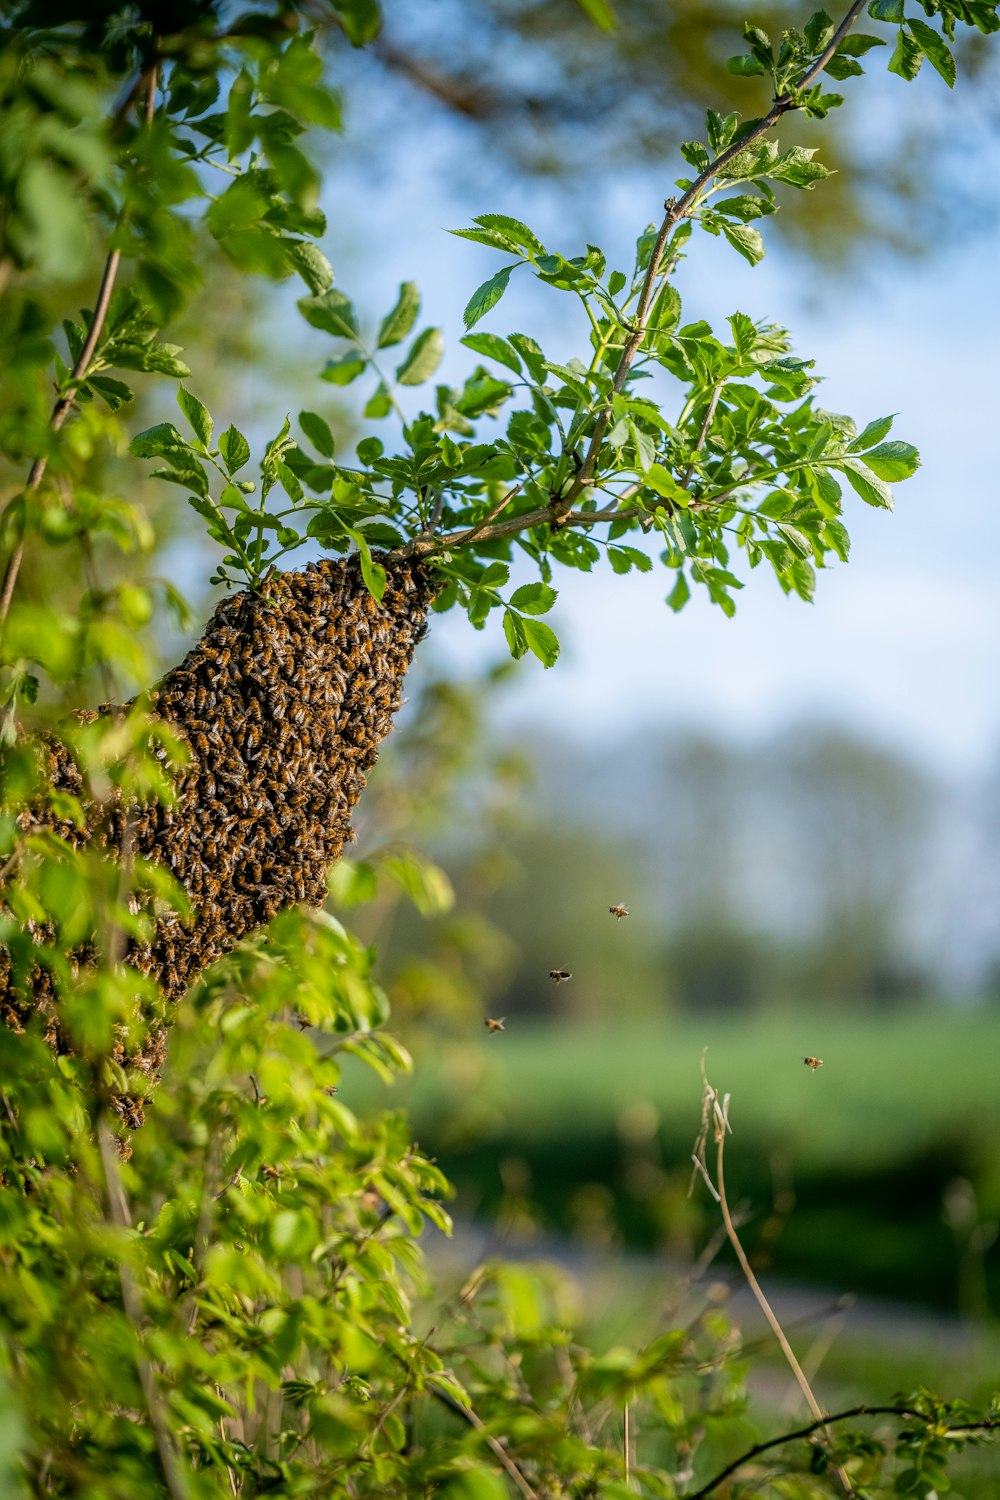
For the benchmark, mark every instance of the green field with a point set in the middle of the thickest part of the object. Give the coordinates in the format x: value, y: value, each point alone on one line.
x: 589, y: 1131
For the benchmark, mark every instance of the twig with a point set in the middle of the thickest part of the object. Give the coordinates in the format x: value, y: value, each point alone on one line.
x: 494, y: 1444
x: 63, y: 405
x: 985, y: 1425
x: 720, y: 1116
x: 118, y: 1212
x: 678, y: 209
x: 702, y: 435
x: 422, y: 545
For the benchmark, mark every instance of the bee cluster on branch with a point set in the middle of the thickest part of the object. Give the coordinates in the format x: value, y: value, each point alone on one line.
x: 283, y: 704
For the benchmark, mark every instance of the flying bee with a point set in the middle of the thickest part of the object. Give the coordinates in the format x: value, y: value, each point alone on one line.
x: 618, y: 911
x: 495, y: 1025
x: 559, y: 976
x: 813, y: 1062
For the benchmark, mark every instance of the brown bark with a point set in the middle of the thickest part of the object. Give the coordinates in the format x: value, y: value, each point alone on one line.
x: 283, y: 704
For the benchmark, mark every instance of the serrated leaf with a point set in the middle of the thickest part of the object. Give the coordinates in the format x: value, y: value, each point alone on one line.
x: 486, y: 297
x: 892, y: 461
x: 311, y: 264
x: 397, y: 323
x: 197, y: 414
x: 906, y: 57
x: 115, y: 392
x: 744, y: 239
x: 934, y: 48
x: 331, y: 312
x: 318, y: 432
x: 154, y: 441
x: 542, y: 641
x: 521, y: 235
x: 494, y: 347
x: 513, y: 629
x: 887, y: 10
x: 423, y: 358
x: 872, y: 434
x: 867, y: 485
x: 234, y: 450
x: 617, y: 281
x: 379, y: 404
x: 534, y: 598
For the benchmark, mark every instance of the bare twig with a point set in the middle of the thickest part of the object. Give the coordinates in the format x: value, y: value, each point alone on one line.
x: 702, y: 435
x: 987, y: 1424
x: 718, y: 1115
x: 422, y: 545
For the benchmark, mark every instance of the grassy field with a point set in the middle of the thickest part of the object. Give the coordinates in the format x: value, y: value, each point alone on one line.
x: 873, y: 1174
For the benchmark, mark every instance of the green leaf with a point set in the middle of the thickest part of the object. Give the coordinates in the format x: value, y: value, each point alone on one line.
x: 744, y: 333
x: 486, y: 297
x: 234, y: 450
x: 892, y: 461
x: 331, y: 312
x: 743, y: 66
x: 873, y: 433
x: 197, y: 415
x: 397, y: 323
x: 600, y: 13
x: 361, y: 20
x: 368, y: 450
x: 423, y: 358
x: 513, y: 629
x: 311, y: 264
x: 679, y: 594
x: 514, y: 230
x: 906, y: 58
x: 937, y: 53
x: 617, y: 281
x: 318, y: 432
x: 542, y: 641
x: 115, y: 392
x: 494, y: 347
x: 744, y: 239
x: 346, y: 368
x: 534, y: 598
x: 887, y: 10
x: 379, y: 404
x: 868, y: 486
x: 156, y: 440
x: 663, y: 482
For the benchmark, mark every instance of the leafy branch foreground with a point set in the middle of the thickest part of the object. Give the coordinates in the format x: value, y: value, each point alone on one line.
x: 233, y: 1310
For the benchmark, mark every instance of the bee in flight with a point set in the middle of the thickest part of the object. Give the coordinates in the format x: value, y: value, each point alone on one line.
x: 813, y: 1062
x: 618, y: 911
x: 559, y: 976
x: 495, y: 1025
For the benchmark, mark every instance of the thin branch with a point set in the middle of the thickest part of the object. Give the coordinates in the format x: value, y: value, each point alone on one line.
x: 496, y: 1447
x: 78, y: 373
x: 987, y: 1424
x: 422, y: 546
x: 702, y: 435
x: 678, y: 209
x: 722, y: 1128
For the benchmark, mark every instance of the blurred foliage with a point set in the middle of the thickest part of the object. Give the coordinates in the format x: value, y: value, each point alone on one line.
x: 241, y: 1307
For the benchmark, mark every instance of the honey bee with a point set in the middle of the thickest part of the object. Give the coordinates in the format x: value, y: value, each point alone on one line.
x: 618, y: 911
x: 559, y: 976
x: 495, y: 1025
x: 813, y: 1062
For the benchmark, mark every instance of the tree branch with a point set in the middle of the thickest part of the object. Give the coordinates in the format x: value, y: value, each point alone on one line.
x: 985, y: 1425
x: 678, y: 209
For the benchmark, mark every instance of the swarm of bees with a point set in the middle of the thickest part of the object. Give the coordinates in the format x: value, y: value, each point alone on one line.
x: 283, y: 703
